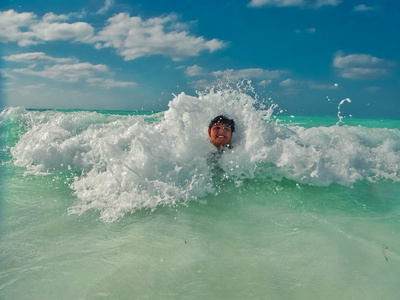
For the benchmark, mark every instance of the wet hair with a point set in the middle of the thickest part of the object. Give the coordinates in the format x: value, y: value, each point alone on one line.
x: 224, y: 120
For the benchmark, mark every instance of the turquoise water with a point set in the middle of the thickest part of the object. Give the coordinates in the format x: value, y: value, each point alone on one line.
x: 125, y: 205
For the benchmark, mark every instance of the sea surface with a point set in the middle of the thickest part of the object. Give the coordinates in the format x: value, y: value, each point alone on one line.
x: 140, y: 205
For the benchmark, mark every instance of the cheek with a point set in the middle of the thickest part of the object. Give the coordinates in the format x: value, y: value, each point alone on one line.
x: 213, y: 133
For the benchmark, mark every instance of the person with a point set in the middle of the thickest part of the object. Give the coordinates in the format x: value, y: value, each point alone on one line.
x: 220, y: 131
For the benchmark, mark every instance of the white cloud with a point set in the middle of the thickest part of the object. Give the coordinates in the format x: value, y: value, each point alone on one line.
x: 134, y: 37
x: 290, y: 86
x: 288, y: 82
x: 252, y: 73
x: 67, y: 69
x: 37, y: 56
x: 261, y: 77
x: 362, y: 66
x: 265, y: 82
x: 11, y: 23
x: 26, y: 29
x: 5, y: 73
x: 109, y: 83
x: 279, y: 3
x: 66, y: 72
x: 295, y: 3
x: 363, y: 7
x: 202, y: 83
x: 322, y: 86
x: 195, y: 71
x: 107, y: 5
x: 47, y: 31
x: 50, y: 17
x: 291, y: 83
x: 320, y: 3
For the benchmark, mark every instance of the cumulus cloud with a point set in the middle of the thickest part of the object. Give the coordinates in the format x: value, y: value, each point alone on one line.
x: 11, y: 24
x: 195, y: 71
x: 134, y: 37
x: 265, y: 82
x: 252, y: 73
x: 66, y: 72
x: 51, y: 17
x: 294, y: 3
x: 107, y: 5
x: 288, y: 82
x: 27, y: 29
x: 108, y: 83
x: 67, y: 69
x: 37, y: 56
x: 295, y: 85
x: 362, y: 66
x: 51, y: 31
x: 261, y: 77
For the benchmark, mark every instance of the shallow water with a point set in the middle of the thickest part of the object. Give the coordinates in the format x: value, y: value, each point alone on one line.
x: 130, y: 206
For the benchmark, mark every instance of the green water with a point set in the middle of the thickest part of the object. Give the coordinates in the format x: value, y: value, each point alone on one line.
x: 254, y: 238
x: 264, y: 240
x: 315, y: 121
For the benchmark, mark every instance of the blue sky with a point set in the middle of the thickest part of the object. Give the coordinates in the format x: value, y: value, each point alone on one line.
x: 304, y: 55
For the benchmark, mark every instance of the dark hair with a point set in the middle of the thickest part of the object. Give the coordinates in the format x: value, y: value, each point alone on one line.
x: 224, y: 120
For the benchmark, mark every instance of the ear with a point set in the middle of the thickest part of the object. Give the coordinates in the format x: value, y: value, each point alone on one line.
x: 209, y: 132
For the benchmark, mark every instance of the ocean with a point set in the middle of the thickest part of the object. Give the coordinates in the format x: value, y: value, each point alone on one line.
x: 140, y: 205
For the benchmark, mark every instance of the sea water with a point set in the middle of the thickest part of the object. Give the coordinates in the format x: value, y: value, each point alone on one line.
x: 140, y: 205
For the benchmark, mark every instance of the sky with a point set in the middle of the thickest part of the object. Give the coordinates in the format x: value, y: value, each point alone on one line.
x: 303, y: 55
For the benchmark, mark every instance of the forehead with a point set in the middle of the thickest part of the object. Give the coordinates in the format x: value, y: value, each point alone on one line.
x: 220, y: 124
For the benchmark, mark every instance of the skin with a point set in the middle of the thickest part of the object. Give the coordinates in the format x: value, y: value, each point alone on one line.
x: 220, y: 135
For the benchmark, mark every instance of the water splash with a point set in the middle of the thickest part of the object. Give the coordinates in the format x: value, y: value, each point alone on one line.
x: 338, y: 113
x: 118, y: 164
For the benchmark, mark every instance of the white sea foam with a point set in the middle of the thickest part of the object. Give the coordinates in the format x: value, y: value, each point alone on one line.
x: 123, y: 163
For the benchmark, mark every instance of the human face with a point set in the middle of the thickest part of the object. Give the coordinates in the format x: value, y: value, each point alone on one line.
x: 220, y: 134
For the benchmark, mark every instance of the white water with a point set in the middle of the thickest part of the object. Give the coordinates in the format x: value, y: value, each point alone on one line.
x: 329, y: 230
x: 118, y: 164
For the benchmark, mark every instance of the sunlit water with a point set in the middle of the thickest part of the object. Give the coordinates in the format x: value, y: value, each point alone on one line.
x: 103, y: 205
